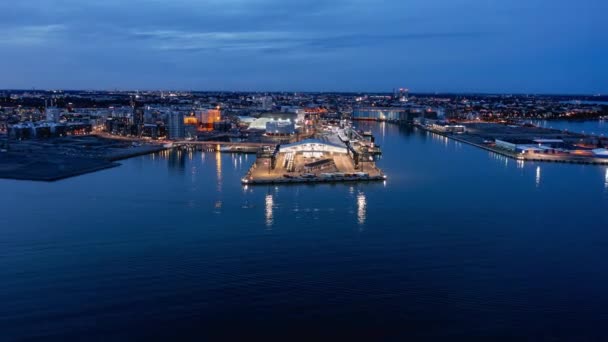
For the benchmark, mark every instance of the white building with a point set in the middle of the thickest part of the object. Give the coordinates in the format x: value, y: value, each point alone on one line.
x: 313, y: 146
x: 600, y: 153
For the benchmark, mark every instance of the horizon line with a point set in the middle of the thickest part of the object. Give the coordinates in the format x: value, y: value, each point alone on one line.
x: 307, y: 91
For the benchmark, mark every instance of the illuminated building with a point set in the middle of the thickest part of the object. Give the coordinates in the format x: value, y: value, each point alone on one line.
x: 190, y: 120
x: 448, y: 128
x: 207, y: 117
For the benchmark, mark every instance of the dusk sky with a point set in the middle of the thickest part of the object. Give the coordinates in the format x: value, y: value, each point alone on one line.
x: 542, y: 46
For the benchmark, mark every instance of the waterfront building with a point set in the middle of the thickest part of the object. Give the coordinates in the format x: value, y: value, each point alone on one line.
x: 601, y: 153
x: 448, y: 128
x: 518, y: 145
x: 176, y: 125
x: 313, y: 148
x: 381, y: 114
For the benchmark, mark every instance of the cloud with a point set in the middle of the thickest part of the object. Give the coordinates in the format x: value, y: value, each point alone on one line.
x: 362, y: 43
x: 30, y: 35
x: 216, y: 41
x: 274, y: 41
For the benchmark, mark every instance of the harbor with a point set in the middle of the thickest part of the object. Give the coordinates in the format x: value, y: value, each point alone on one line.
x: 338, y: 156
x: 527, y: 142
x: 316, y: 235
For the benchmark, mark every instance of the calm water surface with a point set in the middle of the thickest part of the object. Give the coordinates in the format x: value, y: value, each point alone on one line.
x: 595, y: 127
x: 458, y: 243
x: 605, y: 103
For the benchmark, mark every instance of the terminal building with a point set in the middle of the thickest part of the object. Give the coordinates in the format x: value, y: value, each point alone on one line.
x: 310, y: 160
x: 531, y: 145
x: 311, y: 155
x: 313, y: 148
x: 445, y: 127
x: 600, y: 153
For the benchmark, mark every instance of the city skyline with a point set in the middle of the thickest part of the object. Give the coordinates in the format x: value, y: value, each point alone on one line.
x: 346, y: 46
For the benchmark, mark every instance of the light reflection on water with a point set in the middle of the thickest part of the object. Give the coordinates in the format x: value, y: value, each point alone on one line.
x: 218, y: 168
x: 361, y: 208
x: 269, y: 204
x: 310, y: 240
x: 596, y: 127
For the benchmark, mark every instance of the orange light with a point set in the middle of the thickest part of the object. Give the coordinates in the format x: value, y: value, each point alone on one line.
x: 190, y: 120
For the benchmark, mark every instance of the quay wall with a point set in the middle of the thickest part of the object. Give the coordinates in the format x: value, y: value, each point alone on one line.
x: 527, y: 157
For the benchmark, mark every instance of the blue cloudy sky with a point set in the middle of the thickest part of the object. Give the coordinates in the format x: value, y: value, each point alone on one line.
x: 547, y: 46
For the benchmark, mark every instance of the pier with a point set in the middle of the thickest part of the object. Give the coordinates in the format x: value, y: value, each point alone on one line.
x: 485, y: 137
x: 311, y: 161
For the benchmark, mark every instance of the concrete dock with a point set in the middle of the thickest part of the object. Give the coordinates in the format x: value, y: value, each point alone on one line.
x: 481, y: 135
x: 311, y: 163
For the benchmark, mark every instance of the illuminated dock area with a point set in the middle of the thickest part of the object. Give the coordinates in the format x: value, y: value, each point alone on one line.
x: 529, y: 143
x: 312, y: 161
